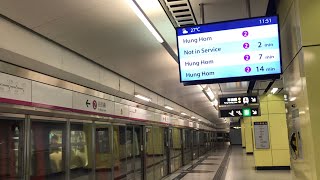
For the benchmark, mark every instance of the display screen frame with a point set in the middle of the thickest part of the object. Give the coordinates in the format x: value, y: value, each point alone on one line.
x: 235, y: 78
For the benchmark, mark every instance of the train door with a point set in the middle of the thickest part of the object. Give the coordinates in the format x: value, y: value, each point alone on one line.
x: 195, y: 147
x: 134, y: 153
x: 81, y: 149
x: 159, y: 152
x: 120, y: 153
x: 48, y: 148
x: 175, y: 149
x: 187, y: 146
x: 103, y: 151
x: 167, y: 150
x: 155, y: 152
x: 12, y: 146
x: 148, y: 153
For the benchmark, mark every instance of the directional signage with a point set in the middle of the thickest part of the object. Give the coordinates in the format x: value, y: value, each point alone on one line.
x: 236, y: 100
x: 245, y: 112
x: 92, y: 104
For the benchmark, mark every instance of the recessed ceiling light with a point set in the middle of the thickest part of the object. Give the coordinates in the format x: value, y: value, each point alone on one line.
x: 274, y: 90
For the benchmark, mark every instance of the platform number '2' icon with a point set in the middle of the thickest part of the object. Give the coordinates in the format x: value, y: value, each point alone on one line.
x: 94, y: 104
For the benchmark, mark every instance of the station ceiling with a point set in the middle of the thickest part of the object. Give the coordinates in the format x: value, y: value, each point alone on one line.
x: 110, y: 34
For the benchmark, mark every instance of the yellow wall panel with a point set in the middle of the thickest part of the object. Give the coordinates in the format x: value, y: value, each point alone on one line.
x: 243, y: 137
x: 263, y: 117
x: 312, y: 66
x: 278, y: 131
x: 309, y: 20
x: 272, y: 97
x: 263, y: 158
x: 281, y: 157
x: 276, y: 107
x: 284, y: 8
x: 264, y: 107
x: 263, y: 98
x: 248, y: 135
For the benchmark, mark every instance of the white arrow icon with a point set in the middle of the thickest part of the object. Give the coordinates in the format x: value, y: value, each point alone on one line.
x: 239, y: 112
x: 254, y: 112
x: 254, y: 99
x: 231, y: 113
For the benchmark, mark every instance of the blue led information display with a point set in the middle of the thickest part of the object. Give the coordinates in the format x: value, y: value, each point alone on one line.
x: 225, y: 51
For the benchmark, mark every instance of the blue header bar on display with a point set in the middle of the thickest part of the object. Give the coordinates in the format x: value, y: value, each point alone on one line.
x: 227, y: 25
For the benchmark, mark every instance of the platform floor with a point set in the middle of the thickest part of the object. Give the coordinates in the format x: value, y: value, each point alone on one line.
x: 240, y: 166
x: 205, y: 168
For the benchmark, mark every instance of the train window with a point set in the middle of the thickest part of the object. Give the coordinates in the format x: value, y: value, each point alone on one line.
x: 102, y: 140
x: 11, y: 148
x: 80, y: 151
x: 48, y: 142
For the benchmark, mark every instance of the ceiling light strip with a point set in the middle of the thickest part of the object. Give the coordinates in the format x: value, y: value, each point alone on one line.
x: 136, y: 8
x: 142, y: 97
x: 168, y: 107
x: 183, y: 114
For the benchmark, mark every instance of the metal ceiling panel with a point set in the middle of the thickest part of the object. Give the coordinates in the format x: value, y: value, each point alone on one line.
x: 261, y: 85
x: 234, y: 86
x: 181, y: 12
x: 222, y: 10
x: 235, y: 92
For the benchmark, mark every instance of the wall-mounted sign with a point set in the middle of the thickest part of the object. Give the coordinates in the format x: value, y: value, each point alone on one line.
x: 245, y: 112
x: 235, y: 100
x: 92, y: 104
x: 261, y: 135
x: 12, y: 87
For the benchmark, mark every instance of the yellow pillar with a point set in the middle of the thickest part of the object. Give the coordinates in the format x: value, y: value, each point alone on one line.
x: 243, y: 137
x: 248, y: 134
x: 273, y: 112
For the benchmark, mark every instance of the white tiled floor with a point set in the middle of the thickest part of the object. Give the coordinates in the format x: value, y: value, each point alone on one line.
x: 205, y: 170
x: 241, y: 167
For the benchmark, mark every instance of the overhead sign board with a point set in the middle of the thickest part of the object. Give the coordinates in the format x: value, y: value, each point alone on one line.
x: 236, y: 100
x: 229, y: 51
x: 245, y: 112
